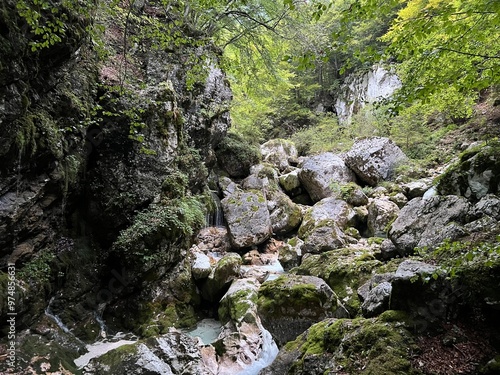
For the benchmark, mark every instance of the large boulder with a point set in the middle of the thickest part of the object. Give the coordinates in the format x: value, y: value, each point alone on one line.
x: 428, y: 222
x: 290, y: 304
x: 319, y: 172
x: 322, y: 225
x: 475, y: 175
x: 374, y: 159
x: 381, y: 213
x: 279, y: 152
x: 247, y: 217
x: 344, y: 270
x: 344, y: 346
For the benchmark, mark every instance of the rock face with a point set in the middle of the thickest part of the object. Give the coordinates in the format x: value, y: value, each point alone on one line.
x: 374, y: 159
x: 427, y: 222
x: 247, y: 217
x: 359, y: 90
x: 291, y: 303
x: 476, y: 174
x: 279, y: 152
x: 319, y: 172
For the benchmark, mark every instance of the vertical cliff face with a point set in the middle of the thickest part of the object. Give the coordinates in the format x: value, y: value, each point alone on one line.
x: 92, y: 136
x: 362, y: 89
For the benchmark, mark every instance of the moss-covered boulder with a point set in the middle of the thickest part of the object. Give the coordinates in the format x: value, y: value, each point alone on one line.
x: 342, y: 346
x: 289, y: 304
x: 381, y: 213
x: 290, y: 253
x: 291, y: 184
x: 344, y: 270
x: 476, y: 174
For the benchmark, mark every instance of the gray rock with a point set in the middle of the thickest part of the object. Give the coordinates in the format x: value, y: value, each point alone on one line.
x: 247, y: 217
x: 475, y: 175
x: 279, y: 152
x: 411, y: 269
x: 200, y: 266
x: 399, y: 198
x: 374, y: 159
x: 488, y: 205
x: 319, y: 172
x: 387, y: 250
x: 284, y: 214
x: 290, y: 253
x: 377, y: 300
x: 290, y: 183
x: 417, y: 188
x: 381, y: 212
x: 428, y: 222
x: 322, y: 225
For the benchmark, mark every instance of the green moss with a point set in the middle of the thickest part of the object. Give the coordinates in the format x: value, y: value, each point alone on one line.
x: 360, y: 346
x: 237, y: 307
x: 343, y: 271
x: 115, y: 358
x: 390, y: 316
x: 375, y: 240
x: 175, y: 185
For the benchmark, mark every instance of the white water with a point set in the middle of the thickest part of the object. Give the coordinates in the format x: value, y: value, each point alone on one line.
x: 207, y: 330
x: 56, y: 318
x: 267, y: 355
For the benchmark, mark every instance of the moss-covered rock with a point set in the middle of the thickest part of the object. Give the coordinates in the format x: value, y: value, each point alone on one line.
x: 291, y: 303
x: 236, y: 156
x: 239, y: 303
x: 226, y: 270
x: 360, y: 346
x: 344, y: 270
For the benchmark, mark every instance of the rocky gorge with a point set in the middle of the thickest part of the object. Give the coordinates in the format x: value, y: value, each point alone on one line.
x: 130, y: 216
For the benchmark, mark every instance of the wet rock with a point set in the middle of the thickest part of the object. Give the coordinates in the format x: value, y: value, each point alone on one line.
x: 247, y: 218
x: 319, y: 172
x: 279, y: 152
x: 381, y: 213
x: 374, y: 159
x: 171, y: 353
x: 290, y: 304
x: 427, y: 222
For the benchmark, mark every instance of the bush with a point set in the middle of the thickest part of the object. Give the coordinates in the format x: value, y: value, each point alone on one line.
x: 235, y: 155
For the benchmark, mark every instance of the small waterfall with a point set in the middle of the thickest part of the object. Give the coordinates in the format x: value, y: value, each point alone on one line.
x: 215, y: 217
x: 98, y: 317
x: 55, y: 318
x: 18, y: 188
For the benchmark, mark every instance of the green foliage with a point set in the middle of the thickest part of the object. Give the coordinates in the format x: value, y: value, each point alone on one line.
x: 49, y: 20
x: 327, y: 135
x: 38, y: 269
x: 154, y: 230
